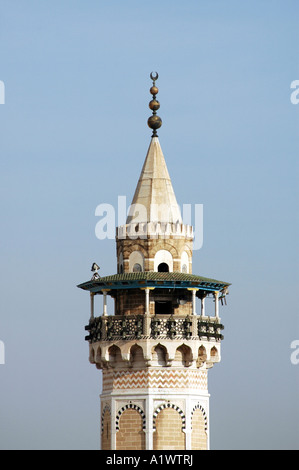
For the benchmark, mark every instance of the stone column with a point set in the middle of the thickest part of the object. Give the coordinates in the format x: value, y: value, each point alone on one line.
x: 203, y: 307
x: 194, y: 302
x: 193, y: 290
x: 147, y: 301
x: 194, y: 318
x: 216, y: 294
x: 188, y: 428
x: 113, y: 430
x: 105, y: 302
x: 92, y: 294
x: 147, y: 317
x: 149, y: 423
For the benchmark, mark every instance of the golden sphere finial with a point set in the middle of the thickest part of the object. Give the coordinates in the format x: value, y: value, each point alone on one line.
x: 154, y: 122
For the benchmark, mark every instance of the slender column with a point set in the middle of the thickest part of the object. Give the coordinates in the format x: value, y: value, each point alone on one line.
x: 105, y: 302
x: 147, y: 301
x: 188, y: 429
x: 203, y: 307
x: 194, y: 318
x: 149, y: 424
x: 194, y: 302
x: 216, y: 294
x: 147, y: 320
x: 147, y: 291
x: 193, y: 290
x: 208, y: 430
x: 92, y: 305
x: 113, y: 430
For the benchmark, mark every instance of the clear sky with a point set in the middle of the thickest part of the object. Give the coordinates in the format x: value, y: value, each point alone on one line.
x: 74, y: 135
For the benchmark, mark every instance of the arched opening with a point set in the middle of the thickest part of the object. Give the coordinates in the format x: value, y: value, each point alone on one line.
x: 163, y: 261
x: 159, y: 355
x: 98, y: 356
x: 214, y: 354
x: 115, y: 358
x: 183, y: 356
x: 163, y: 268
x: 169, y: 433
x: 121, y: 263
x: 91, y: 356
x: 199, y: 425
x: 137, y: 268
x: 136, y: 357
x: 202, y: 356
x: 136, y: 262
x: 130, y: 435
x: 185, y: 263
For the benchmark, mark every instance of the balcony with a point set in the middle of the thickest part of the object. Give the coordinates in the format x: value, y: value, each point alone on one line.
x: 136, y: 327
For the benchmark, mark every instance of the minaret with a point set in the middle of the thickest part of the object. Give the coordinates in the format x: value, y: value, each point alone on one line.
x: 155, y: 349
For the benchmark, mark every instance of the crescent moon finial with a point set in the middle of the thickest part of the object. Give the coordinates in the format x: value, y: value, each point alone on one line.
x: 154, y: 77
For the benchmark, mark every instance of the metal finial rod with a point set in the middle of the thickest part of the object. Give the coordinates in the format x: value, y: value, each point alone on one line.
x: 154, y: 122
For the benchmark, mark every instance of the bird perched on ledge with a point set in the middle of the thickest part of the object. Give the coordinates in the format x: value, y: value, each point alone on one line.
x: 95, y: 268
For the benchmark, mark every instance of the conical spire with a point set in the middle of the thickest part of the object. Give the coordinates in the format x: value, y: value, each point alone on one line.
x: 154, y: 199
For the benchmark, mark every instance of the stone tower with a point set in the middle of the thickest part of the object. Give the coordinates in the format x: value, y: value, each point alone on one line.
x: 155, y: 349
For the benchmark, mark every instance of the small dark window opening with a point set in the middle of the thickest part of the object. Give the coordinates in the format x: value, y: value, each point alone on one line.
x: 163, y: 268
x: 163, y: 308
x: 137, y: 268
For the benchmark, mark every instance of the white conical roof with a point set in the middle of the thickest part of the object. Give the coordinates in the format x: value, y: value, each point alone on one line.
x: 154, y: 199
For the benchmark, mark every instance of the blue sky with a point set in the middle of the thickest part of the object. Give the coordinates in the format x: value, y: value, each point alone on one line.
x: 74, y: 135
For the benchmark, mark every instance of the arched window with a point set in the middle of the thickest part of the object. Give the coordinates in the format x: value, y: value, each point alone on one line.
x: 163, y: 261
x: 214, y: 354
x: 163, y: 268
x: 137, y: 268
x: 137, y: 357
x: 136, y: 262
x: 159, y: 355
x: 185, y: 263
x: 169, y: 420
x: 135, y: 439
x: 121, y: 263
x: 183, y: 356
x: 202, y: 356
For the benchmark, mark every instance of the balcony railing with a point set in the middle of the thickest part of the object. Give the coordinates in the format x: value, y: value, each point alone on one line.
x: 112, y: 328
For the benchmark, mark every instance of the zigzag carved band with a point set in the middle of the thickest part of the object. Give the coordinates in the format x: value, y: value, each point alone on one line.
x: 155, y: 379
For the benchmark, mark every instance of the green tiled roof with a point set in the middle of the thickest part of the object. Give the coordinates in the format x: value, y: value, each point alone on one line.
x: 156, y: 279
x: 154, y: 276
